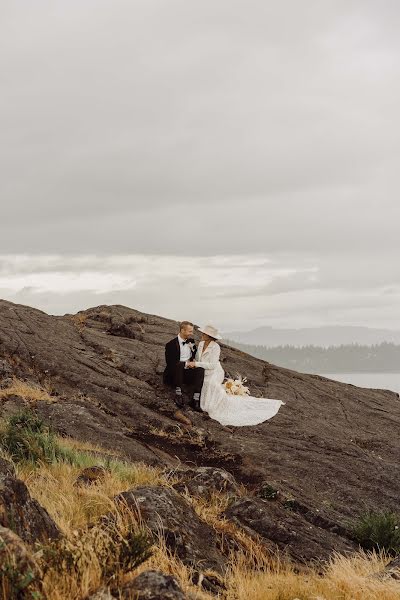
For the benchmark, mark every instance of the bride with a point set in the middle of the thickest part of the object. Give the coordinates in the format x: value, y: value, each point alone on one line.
x: 226, y: 408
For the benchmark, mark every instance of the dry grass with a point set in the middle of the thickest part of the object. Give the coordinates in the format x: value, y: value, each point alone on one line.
x: 180, y: 433
x: 212, y: 511
x: 62, y: 586
x: 89, y: 447
x: 163, y: 560
x: 253, y: 573
x: 79, y: 320
x: 82, y: 562
x: 74, y: 506
x: 257, y: 574
x: 354, y: 578
x: 28, y: 392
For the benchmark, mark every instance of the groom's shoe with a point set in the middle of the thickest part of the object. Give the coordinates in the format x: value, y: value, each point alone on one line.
x: 179, y: 398
x: 196, y: 403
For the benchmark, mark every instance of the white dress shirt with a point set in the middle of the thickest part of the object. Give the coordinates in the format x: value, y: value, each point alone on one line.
x: 186, y: 353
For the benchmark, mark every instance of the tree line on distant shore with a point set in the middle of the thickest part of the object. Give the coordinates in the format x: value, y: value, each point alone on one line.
x: 383, y: 357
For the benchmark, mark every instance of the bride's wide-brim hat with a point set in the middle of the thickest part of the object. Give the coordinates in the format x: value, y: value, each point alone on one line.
x: 211, y: 331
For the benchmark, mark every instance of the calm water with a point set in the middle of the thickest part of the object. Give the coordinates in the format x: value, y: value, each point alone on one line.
x: 385, y: 381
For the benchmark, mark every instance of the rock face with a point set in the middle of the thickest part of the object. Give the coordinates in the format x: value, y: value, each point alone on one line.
x: 149, y: 585
x: 164, y: 511
x: 153, y: 585
x: 204, y: 481
x: 286, y: 530
x: 20, y: 512
x: 333, y: 447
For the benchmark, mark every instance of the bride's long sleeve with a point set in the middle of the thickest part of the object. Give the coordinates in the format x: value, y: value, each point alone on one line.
x: 213, y: 359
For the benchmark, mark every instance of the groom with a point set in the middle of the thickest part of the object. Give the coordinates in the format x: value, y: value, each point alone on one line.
x: 180, y: 351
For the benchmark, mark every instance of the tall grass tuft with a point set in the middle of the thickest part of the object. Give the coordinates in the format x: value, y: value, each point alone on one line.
x: 25, y: 437
x: 103, y: 554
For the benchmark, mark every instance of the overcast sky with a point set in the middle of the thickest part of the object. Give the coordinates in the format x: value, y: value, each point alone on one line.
x: 233, y: 162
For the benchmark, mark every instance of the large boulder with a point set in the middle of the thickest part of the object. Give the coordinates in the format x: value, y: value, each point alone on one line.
x: 204, y: 481
x: 152, y: 585
x: 283, y: 529
x: 149, y: 585
x: 19, y: 572
x: 91, y: 475
x: 22, y: 513
x: 165, y: 511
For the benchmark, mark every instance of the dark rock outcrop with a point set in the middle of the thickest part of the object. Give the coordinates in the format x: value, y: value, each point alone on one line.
x: 167, y: 513
x: 21, y: 513
x: 286, y: 530
x: 149, y: 585
x: 152, y: 585
x: 204, y: 481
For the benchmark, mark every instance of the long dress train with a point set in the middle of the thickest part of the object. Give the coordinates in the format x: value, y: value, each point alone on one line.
x: 226, y: 408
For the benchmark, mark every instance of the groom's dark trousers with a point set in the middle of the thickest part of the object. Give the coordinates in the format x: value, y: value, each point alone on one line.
x: 193, y: 377
x: 175, y: 373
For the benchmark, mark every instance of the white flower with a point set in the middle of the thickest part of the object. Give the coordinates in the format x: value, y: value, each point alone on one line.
x: 235, y: 387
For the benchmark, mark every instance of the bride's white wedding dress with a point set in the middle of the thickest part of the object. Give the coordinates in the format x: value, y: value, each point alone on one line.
x: 226, y: 408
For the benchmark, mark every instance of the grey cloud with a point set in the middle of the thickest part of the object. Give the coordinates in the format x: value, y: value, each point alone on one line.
x: 358, y: 273
x: 208, y: 130
x: 307, y: 227
x: 156, y: 104
x: 215, y: 289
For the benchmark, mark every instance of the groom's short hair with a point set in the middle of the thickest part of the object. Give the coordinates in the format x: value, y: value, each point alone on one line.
x: 184, y: 324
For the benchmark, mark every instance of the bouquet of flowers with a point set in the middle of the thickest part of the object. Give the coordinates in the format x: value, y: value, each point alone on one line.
x: 236, y: 387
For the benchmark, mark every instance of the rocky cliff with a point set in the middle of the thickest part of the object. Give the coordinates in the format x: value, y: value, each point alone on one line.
x: 331, y: 452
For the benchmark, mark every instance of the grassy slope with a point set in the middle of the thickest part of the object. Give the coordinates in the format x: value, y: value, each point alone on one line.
x: 253, y: 573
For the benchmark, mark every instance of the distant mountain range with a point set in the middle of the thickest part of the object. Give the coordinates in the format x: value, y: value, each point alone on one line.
x: 377, y: 358
x: 314, y: 336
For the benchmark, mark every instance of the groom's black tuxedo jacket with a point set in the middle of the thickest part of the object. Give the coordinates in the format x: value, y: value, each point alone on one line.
x: 172, y: 357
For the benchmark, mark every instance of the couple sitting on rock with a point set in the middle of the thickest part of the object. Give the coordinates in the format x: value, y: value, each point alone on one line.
x: 200, y: 367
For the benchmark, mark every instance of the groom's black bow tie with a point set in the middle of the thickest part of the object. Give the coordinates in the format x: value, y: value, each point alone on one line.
x: 185, y: 342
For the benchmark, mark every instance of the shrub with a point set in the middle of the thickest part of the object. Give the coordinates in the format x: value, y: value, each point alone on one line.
x: 378, y: 531
x: 290, y: 503
x: 267, y: 492
x: 25, y: 437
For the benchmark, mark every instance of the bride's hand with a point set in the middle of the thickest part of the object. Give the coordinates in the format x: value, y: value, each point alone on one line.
x: 191, y: 365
